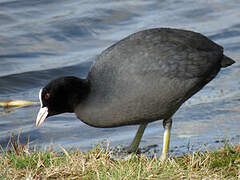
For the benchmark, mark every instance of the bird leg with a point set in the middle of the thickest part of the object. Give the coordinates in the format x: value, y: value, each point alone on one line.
x: 134, y: 145
x: 167, y: 124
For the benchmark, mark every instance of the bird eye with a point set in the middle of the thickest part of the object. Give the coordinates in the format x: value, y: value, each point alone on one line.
x: 47, y: 96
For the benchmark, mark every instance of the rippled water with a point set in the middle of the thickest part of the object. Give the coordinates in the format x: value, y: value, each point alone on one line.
x: 41, y: 40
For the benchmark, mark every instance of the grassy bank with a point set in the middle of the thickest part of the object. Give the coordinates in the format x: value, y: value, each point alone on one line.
x: 20, y: 163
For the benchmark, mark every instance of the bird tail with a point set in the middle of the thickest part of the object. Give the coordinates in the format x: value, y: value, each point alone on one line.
x: 226, y: 61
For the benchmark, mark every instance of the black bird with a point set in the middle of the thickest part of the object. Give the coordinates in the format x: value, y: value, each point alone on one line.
x: 143, y: 78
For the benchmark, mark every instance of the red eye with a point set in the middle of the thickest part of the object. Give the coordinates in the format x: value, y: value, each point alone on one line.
x: 47, y: 96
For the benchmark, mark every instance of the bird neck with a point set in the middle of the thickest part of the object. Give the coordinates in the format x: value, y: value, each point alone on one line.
x: 77, y: 93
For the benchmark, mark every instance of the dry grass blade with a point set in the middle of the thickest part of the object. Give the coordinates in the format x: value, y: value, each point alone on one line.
x: 16, y: 146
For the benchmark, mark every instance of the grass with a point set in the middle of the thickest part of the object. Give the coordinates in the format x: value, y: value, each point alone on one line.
x: 18, y: 162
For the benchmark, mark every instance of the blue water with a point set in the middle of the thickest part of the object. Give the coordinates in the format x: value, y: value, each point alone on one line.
x: 41, y: 40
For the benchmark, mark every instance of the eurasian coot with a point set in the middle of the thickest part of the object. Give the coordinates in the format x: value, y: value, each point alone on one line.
x: 143, y: 78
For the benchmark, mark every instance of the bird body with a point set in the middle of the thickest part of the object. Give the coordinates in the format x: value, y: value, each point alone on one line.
x: 147, y: 76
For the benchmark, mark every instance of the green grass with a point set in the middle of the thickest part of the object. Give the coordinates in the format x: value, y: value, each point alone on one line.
x: 100, y: 163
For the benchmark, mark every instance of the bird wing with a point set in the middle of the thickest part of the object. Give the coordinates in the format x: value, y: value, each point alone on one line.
x: 168, y: 53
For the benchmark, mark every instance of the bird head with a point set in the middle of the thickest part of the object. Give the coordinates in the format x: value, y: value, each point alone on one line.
x: 61, y: 95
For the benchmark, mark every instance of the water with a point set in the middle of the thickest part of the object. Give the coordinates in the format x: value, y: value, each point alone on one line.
x: 41, y: 40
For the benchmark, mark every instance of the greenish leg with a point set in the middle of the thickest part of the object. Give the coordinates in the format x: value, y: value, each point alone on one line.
x: 133, y: 147
x: 167, y: 124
